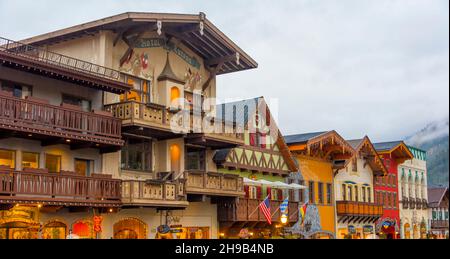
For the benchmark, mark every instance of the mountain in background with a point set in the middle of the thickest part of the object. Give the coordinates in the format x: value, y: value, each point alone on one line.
x: 434, y: 139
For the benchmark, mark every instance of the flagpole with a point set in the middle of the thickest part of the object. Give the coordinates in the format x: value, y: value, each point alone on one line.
x: 279, y: 207
x: 257, y: 208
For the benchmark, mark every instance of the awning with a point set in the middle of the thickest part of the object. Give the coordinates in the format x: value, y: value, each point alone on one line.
x: 278, y: 185
x: 250, y: 182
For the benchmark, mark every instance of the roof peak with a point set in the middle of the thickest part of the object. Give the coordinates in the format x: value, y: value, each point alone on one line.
x: 168, y: 74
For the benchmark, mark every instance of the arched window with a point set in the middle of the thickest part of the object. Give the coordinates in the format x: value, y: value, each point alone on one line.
x: 174, y: 95
x: 175, y: 158
x: 130, y: 229
x: 54, y: 230
x: 84, y: 229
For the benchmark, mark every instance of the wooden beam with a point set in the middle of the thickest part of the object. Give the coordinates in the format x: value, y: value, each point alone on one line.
x: 51, y: 142
x: 229, y: 58
x: 7, y: 135
x: 187, y: 28
x: 212, y: 75
x: 81, y: 146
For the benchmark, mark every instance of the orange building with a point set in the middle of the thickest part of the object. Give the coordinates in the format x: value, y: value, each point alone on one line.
x: 319, y: 156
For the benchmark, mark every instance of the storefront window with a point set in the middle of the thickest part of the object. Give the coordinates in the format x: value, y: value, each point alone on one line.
x: 137, y: 155
x: 7, y: 158
x: 54, y: 230
x: 53, y: 163
x: 130, y: 229
x: 30, y: 160
x: 83, y: 229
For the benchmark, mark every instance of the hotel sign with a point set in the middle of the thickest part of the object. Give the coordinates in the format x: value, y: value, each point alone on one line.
x: 159, y: 42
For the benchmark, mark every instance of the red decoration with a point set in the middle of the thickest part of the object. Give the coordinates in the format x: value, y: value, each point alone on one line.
x: 98, y: 223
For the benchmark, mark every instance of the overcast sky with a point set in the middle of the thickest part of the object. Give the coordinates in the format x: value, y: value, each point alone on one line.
x: 361, y: 67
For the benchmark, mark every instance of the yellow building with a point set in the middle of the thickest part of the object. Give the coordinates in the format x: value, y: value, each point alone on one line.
x: 319, y: 156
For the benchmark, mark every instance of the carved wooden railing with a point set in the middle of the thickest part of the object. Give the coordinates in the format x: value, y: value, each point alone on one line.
x: 58, y: 189
x: 178, y: 121
x: 217, y: 129
x: 351, y: 208
x: 45, y: 56
x: 43, y: 118
x: 154, y: 192
x: 247, y: 210
x: 200, y: 182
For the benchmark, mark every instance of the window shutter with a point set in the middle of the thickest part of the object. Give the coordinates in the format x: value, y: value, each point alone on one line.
x: 269, y: 193
x: 247, y: 191
x: 258, y: 192
x: 280, y: 195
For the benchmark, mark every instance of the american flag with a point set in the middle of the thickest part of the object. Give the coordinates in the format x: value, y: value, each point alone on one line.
x: 265, y: 209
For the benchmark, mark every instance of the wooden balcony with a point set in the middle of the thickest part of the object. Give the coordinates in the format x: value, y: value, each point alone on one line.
x: 65, y: 189
x: 247, y: 210
x: 439, y: 224
x: 147, y: 119
x: 154, y: 193
x: 163, y: 123
x: 350, y: 211
x: 215, y: 133
x: 214, y: 184
x: 37, y: 119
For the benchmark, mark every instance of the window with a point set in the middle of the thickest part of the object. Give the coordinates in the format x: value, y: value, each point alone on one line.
x: 355, y: 165
x: 369, y: 195
x: 195, y: 159
x: 329, y: 194
x: 137, y: 155
x: 344, y: 192
x: 53, y: 163
x: 141, y: 90
x: 356, y: 193
x: 302, y: 192
x: 364, y: 194
x: 84, y: 104
x: 30, y: 160
x: 435, y: 215
x: 320, y: 190
x: 17, y: 89
x: 8, y: 158
x: 84, y: 167
x: 311, y: 193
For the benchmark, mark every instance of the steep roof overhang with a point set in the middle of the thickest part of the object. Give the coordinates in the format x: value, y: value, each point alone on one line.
x: 400, y: 153
x: 194, y: 31
x: 369, y: 153
x: 329, y: 146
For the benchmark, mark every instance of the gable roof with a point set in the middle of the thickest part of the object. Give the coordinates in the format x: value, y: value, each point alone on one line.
x: 302, y: 138
x: 240, y: 112
x: 377, y: 164
x: 397, y: 149
x: 386, y: 146
x: 436, y: 195
x: 355, y: 143
x: 211, y: 44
